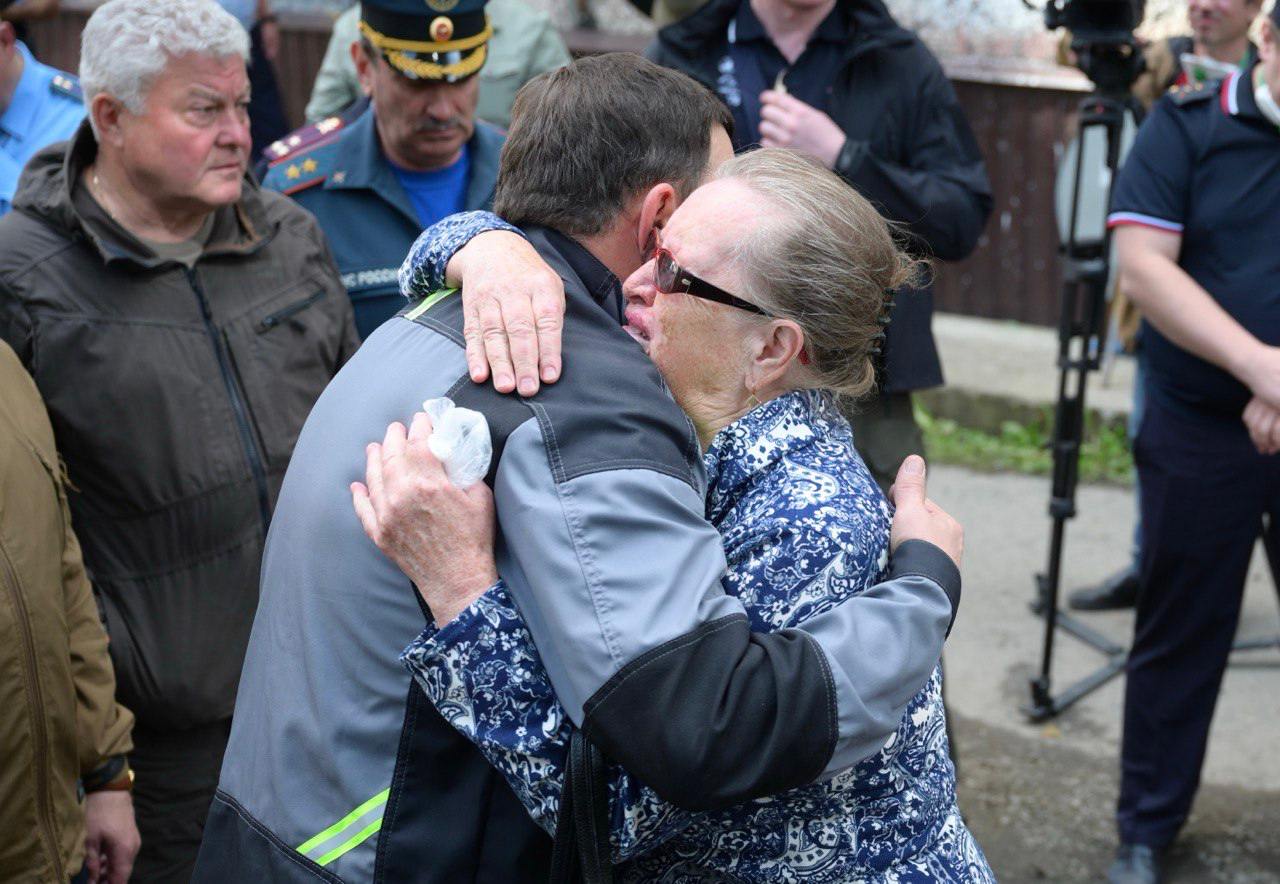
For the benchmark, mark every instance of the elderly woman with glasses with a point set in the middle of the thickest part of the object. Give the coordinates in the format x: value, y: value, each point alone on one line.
x: 764, y: 299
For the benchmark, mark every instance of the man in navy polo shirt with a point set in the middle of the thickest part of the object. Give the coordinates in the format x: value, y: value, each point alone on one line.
x: 1196, y: 210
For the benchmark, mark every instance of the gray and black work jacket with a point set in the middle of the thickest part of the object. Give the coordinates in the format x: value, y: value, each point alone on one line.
x: 339, y: 769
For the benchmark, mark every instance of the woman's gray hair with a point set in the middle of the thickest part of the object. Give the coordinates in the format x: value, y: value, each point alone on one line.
x: 824, y: 259
x: 126, y: 44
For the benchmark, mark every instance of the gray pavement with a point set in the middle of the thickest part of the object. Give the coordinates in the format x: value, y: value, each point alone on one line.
x: 1040, y: 797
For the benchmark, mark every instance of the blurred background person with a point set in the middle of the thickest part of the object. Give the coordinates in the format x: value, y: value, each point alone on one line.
x: 825, y: 77
x: 38, y: 106
x: 21, y: 12
x: 524, y: 44
x: 179, y: 323
x: 266, y: 111
x: 416, y: 154
x: 61, y: 729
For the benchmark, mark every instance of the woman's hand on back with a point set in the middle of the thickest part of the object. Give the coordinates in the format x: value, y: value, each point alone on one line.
x: 440, y: 536
x: 916, y: 517
x: 513, y: 305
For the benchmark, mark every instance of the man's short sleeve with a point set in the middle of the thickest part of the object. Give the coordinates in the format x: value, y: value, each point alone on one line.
x: 1154, y: 184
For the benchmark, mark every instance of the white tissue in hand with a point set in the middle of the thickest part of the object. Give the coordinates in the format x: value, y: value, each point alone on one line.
x: 460, y: 441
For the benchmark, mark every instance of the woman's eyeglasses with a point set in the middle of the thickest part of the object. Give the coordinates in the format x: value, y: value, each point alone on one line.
x: 670, y: 278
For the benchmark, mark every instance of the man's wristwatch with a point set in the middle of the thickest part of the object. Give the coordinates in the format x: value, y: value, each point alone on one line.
x: 122, y: 783
x: 113, y: 776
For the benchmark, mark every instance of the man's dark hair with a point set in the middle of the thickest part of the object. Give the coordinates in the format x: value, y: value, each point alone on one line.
x: 587, y: 138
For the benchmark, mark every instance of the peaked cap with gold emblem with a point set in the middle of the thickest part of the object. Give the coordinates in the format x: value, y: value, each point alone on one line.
x: 428, y: 39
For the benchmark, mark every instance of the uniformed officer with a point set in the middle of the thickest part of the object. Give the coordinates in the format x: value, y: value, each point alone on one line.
x: 45, y: 105
x: 415, y: 156
x: 1195, y: 212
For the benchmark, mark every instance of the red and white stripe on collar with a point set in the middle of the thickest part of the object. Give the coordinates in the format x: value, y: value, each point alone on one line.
x: 1227, y: 96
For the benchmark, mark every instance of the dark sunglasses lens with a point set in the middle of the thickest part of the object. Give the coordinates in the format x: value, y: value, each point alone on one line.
x: 664, y: 272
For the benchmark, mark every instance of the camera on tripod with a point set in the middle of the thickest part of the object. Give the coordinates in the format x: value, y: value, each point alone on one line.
x: 1106, y: 50
x: 1102, y: 39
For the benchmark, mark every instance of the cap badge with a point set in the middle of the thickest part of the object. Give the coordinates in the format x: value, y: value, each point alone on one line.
x: 441, y: 5
x: 441, y: 29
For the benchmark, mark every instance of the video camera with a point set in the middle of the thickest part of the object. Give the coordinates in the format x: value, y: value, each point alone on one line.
x: 1102, y: 39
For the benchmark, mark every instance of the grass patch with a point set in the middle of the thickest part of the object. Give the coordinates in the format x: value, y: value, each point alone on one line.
x: 1024, y: 447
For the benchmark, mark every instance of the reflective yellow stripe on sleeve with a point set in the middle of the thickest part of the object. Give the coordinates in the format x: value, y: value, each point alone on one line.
x: 428, y: 302
x: 347, y: 833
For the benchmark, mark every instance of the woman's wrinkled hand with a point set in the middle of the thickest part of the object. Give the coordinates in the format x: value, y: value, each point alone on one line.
x: 513, y: 307
x: 916, y: 517
x: 440, y: 536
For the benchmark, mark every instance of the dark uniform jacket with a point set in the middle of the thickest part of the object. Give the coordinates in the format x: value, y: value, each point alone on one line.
x: 176, y: 396
x: 344, y: 179
x: 60, y: 720
x: 909, y: 150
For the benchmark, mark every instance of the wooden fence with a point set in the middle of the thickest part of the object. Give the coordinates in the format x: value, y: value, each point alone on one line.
x: 1019, y: 119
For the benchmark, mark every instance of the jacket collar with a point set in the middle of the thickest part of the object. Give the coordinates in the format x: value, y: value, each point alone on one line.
x: 486, y: 148
x: 870, y: 26
x: 359, y: 163
x: 760, y: 439
x: 746, y: 26
x: 51, y: 191
x: 1235, y: 97
x: 599, y: 281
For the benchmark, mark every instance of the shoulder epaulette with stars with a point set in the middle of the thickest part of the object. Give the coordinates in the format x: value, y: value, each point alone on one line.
x: 303, y: 168
x: 1190, y: 93
x: 302, y: 139
x: 67, y: 86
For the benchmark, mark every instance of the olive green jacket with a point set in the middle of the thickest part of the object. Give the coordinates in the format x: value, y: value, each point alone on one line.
x: 58, y: 717
x: 524, y: 44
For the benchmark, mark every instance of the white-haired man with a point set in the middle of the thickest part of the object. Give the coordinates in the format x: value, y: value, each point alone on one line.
x: 179, y: 323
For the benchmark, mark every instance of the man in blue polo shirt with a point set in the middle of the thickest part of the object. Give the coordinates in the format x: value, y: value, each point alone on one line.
x: 415, y: 155
x: 1195, y: 211
x: 38, y: 106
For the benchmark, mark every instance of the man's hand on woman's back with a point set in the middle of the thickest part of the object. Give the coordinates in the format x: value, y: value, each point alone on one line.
x: 916, y: 517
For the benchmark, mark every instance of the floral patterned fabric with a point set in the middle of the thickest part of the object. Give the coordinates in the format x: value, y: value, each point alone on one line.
x: 804, y: 527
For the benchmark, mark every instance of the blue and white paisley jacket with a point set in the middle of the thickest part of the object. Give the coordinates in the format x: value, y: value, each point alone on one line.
x: 804, y: 527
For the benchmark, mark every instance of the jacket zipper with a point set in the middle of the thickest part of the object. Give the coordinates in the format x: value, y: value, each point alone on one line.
x: 238, y: 405
x: 39, y: 756
x: 280, y: 316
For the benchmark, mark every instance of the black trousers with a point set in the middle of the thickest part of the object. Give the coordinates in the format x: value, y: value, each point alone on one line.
x: 1204, y: 491
x: 176, y: 774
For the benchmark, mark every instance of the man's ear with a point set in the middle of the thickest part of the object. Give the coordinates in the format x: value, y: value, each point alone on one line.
x: 107, y: 113
x: 364, y: 66
x: 655, y: 212
x: 776, y: 347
